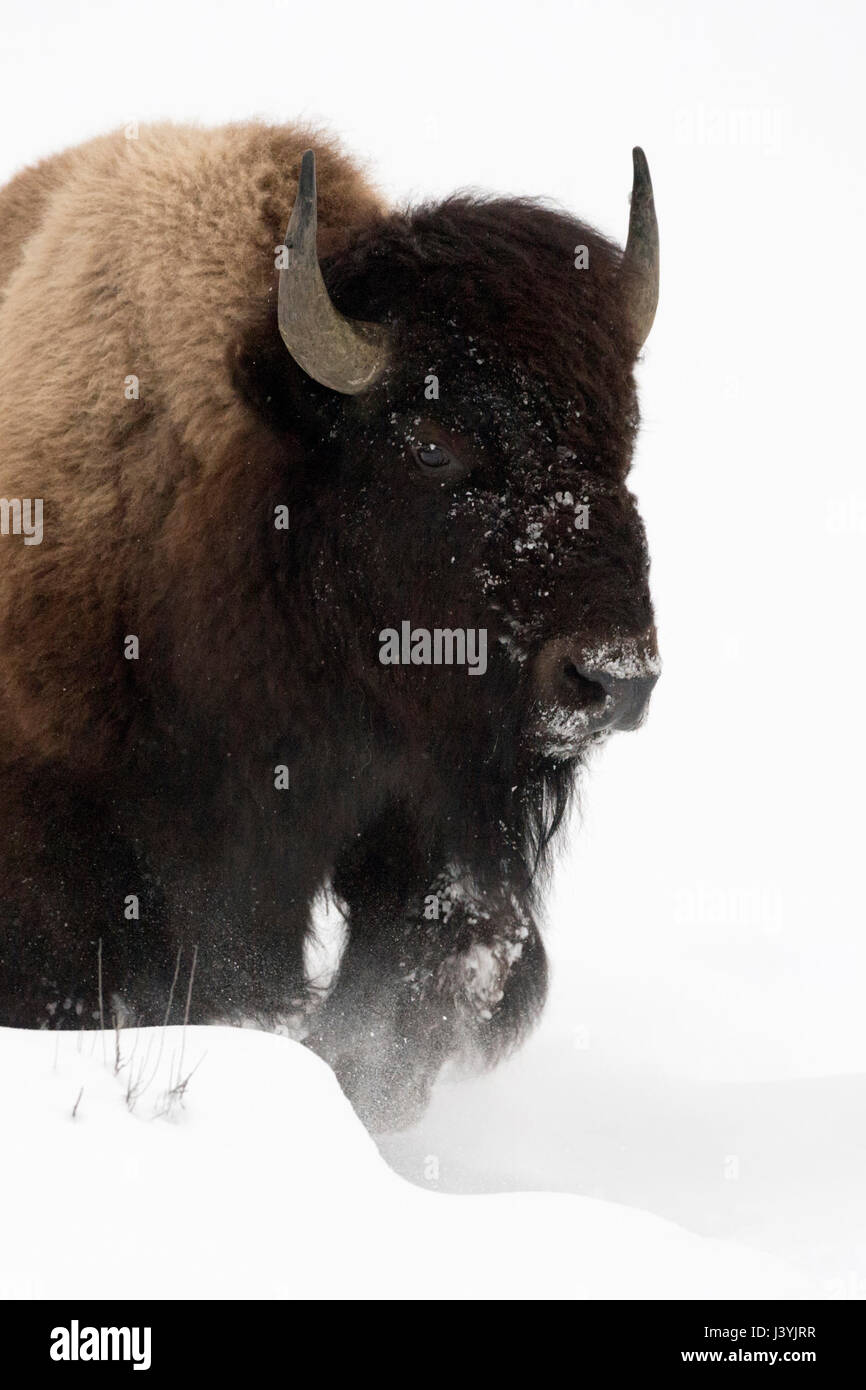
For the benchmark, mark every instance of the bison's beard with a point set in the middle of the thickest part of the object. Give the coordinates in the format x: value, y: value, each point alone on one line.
x: 470, y: 761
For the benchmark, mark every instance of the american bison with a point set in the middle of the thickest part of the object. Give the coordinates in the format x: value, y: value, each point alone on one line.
x: 319, y: 570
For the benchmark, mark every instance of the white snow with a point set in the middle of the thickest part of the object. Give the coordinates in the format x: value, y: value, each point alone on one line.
x: 259, y: 1181
x: 561, y: 731
x: 625, y: 658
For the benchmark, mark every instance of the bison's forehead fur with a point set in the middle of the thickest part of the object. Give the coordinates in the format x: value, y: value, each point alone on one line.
x: 486, y: 293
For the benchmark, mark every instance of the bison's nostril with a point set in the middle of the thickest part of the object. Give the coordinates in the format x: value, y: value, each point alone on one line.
x: 584, y: 692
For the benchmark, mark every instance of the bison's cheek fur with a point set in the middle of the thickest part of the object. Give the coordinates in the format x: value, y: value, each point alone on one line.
x: 411, y: 790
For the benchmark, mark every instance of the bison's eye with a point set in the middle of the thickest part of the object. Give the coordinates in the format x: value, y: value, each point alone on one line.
x: 436, y: 460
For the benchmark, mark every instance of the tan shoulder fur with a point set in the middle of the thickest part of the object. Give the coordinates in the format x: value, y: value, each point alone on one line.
x: 127, y: 267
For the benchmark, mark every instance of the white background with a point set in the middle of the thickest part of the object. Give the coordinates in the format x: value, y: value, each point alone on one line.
x: 704, y: 1054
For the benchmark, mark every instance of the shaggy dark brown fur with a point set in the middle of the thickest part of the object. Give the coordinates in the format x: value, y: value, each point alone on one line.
x: 414, y: 791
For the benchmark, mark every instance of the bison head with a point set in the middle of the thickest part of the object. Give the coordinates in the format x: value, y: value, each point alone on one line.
x: 464, y: 387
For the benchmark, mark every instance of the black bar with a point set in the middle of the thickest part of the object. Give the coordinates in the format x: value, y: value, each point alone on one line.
x: 227, y: 1338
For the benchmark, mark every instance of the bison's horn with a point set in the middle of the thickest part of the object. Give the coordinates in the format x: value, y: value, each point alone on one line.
x: 341, y: 353
x: 641, y: 262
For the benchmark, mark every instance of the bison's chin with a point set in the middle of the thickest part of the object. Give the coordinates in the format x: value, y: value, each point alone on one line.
x: 564, y: 735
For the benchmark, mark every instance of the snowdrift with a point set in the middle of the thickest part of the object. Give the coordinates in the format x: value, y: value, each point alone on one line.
x: 226, y: 1163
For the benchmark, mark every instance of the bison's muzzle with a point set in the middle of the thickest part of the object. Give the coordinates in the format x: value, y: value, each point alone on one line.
x: 583, y: 691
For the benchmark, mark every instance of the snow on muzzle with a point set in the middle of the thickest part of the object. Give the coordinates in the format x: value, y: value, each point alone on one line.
x: 583, y: 690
